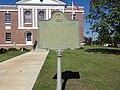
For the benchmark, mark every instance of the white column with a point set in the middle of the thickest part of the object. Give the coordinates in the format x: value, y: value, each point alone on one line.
x: 22, y: 19
x: 63, y: 10
x: 46, y: 14
x: 49, y: 13
x: 36, y: 18
x: 19, y: 18
x: 33, y: 17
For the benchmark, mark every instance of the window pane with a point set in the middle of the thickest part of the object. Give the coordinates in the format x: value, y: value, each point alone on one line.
x: 7, y: 18
x: 28, y: 17
x: 29, y: 37
x: 74, y: 17
x: 41, y: 15
x: 8, y: 36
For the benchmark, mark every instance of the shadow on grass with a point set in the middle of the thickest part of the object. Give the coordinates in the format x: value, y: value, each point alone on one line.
x: 104, y: 51
x: 68, y: 75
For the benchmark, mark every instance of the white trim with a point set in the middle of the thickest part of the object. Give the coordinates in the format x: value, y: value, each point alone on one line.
x: 8, y: 5
x: 46, y: 14
x: 37, y: 2
x: 63, y: 10
x: 33, y: 17
x: 42, y: 7
x: 36, y: 14
x: 49, y: 13
x: 7, y: 42
x: 72, y: 10
x: 8, y: 23
x: 77, y: 6
x: 25, y: 37
x: 7, y: 27
x: 14, y: 44
x: 6, y: 10
x: 27, y: 23
x: 22, y: 19
x: 18, y: 17
x: 82, y: 11
x: 27, y: 27
x: 80, y: 6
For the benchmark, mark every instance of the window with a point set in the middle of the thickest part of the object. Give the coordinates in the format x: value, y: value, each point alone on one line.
x: 74, y: 17
x: 7, y: 18
x: 28, y: 17
x: 41, y: 15
x: 29, y: 37
x: 8, y: 36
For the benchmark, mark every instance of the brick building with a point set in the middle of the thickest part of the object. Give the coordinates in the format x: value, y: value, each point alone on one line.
x: 19, y: 23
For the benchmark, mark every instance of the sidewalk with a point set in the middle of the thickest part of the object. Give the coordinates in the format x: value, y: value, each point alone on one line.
x: 20, y: 73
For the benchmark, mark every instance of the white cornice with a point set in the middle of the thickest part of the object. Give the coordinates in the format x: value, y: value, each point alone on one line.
x: 27, y: 28
x: 4, y: 10
x: 7, y: 5
x: 41, y: 7
x: 82, y: 11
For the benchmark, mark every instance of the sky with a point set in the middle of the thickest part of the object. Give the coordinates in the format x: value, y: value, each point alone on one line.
x: 84, y: 3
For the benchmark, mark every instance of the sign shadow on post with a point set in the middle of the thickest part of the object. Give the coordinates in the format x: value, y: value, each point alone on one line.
x: 68, y: 75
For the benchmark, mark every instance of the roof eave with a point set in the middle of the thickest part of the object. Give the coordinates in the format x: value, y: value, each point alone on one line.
x: 41, y: 4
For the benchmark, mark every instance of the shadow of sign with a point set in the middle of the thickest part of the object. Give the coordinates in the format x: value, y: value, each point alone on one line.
x: 68, y: 75
x: 104, y: 51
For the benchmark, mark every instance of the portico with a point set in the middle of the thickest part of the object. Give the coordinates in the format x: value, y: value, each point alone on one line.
x: 35, y: 6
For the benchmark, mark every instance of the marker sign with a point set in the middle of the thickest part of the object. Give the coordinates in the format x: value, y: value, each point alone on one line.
x: 59, y: 33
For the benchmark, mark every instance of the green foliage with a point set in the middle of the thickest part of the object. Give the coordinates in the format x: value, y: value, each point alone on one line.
x: 9, y: 54
x: 3, y: 50
x: 24, y: 49
x: 87, y: 40
x: 104, y: 15
x: 116, y: 38
x: 12, y: 49
x: 104, y: 37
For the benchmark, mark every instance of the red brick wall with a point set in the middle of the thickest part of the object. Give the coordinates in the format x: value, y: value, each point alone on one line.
x: 2, y: 27
x: 17, y: 36
x: 80, y: 19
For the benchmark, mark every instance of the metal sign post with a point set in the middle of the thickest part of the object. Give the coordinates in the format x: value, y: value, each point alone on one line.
x: 59, y: 69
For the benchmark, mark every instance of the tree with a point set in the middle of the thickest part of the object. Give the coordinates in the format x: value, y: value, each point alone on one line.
x: 116, y: 38
x: 104, y: 37
x: 87, y: 40
x: 104, y: 17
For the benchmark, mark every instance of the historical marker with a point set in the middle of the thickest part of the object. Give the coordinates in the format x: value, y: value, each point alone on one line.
x: 59, y: 34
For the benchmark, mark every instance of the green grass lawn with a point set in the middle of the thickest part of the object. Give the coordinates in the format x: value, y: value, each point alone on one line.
x: 92, y: 68
x: 10, y: 54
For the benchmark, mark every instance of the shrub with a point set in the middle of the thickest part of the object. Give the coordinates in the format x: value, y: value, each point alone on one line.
x: 24, y: 49
x: 12, y: 49
x: 3, y: 50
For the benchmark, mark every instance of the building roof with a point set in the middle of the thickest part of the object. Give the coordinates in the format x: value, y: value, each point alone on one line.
x: 38, y: 2
x: 8, y: 7
x: 74, y: 7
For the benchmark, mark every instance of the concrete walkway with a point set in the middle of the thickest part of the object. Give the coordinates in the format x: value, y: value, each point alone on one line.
x: 20, y: 73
